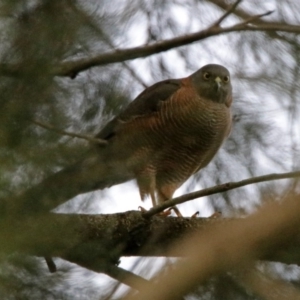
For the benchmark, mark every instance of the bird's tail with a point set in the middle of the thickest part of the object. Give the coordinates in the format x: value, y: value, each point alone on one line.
x: 96, y: 171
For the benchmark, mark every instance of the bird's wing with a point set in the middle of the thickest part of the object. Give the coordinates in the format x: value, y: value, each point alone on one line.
x: 145, y: 103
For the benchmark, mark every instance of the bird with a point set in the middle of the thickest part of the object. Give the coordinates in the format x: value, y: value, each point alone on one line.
x: 166, y: 134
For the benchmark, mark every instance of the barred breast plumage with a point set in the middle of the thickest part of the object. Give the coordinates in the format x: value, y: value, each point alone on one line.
x: 173, y: 129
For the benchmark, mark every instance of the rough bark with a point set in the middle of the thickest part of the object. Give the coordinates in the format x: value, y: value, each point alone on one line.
x: 93, y: 241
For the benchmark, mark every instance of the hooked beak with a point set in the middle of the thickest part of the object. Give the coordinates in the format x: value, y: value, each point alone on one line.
x: 218, y: 83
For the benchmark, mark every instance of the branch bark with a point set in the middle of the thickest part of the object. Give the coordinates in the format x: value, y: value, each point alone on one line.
x: 230, y: 246
x: 71, y: 68
x: 94, y: 241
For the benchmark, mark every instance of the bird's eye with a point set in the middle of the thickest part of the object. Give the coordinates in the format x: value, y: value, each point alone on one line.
x: 206, y: 76
x: 226, y: 79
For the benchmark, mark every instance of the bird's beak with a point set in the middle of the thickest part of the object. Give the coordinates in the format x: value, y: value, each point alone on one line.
x: 218, y: 82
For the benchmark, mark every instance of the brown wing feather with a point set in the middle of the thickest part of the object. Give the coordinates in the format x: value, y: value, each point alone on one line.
x: 145, y: 103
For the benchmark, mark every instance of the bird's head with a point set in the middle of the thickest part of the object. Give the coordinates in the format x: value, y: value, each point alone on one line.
x: 213, y: 83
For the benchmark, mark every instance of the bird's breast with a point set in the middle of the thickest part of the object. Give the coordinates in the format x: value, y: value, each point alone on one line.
x: 178, y: 139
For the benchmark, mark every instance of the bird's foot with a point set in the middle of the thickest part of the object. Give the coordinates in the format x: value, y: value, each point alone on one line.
x: 216, y: 215
x: 164, y: 213
x: 142, y: 209
x: 195, y: 215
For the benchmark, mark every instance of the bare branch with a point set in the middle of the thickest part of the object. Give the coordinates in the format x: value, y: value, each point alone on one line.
x: 239, y: 12
x: 71, y: 68
x: 50, y: 264
x: 71, y: 134
x: 126, y: 277
x: 90, y: 22
x: 256, y: 17
x: 227, y: 247
x: 247, y: 17
x: 219, y: 189
x: 227, y: 13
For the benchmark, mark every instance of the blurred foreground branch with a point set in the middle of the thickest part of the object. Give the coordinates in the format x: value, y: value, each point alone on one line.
x: 266, y: 287
x: 228, y: 247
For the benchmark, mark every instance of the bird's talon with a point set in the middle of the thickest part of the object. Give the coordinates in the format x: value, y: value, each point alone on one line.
x: 216, y: 215
x: 165, y: 213
x: 195, y: 215
x: 142, y: 209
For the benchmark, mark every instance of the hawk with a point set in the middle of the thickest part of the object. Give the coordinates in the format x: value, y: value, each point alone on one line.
x: 169, y: 132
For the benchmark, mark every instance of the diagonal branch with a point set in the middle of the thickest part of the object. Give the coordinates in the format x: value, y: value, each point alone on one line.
x: 251, y: 19
x: 227, y: 13
x: 71, y: 68
x: 71, y: 134
x: 124, y: 276
x: 219, y: 189
x: 90, y: 22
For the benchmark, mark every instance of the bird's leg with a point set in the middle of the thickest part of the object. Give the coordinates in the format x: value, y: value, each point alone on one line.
x: 146, y: 184
x: 177, y: 212
x: 216, y: 215
x: 153, y: 197
x: 195, y: 214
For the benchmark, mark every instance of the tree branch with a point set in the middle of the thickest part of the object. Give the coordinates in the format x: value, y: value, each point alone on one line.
x: 227, y: 247
x: 94, y: 241
x: 219, y: 189
x: 71, y: 134
x: 230, y: 10
x: 247, y: 17
x: 71, y: 68
x: 90, y: 22
x: 251, y: 19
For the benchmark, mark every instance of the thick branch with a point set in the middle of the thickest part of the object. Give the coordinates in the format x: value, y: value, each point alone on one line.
x: 94, y: 241
x: 228, y: 247
x: 71, y: 68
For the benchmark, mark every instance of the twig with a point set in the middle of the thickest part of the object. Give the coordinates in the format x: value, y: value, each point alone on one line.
x: 50, y: 264
x: 219, y: 189
x: 238, y: 11
x: 227, y: 13
x: 125, y: 277
x: 244, y: 15
x: 256, y: 17
x: 121, y: 55
x: 71, y: 134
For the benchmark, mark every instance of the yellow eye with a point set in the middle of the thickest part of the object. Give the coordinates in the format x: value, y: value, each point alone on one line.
x: 226, y: 79
x: 206, y: 76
